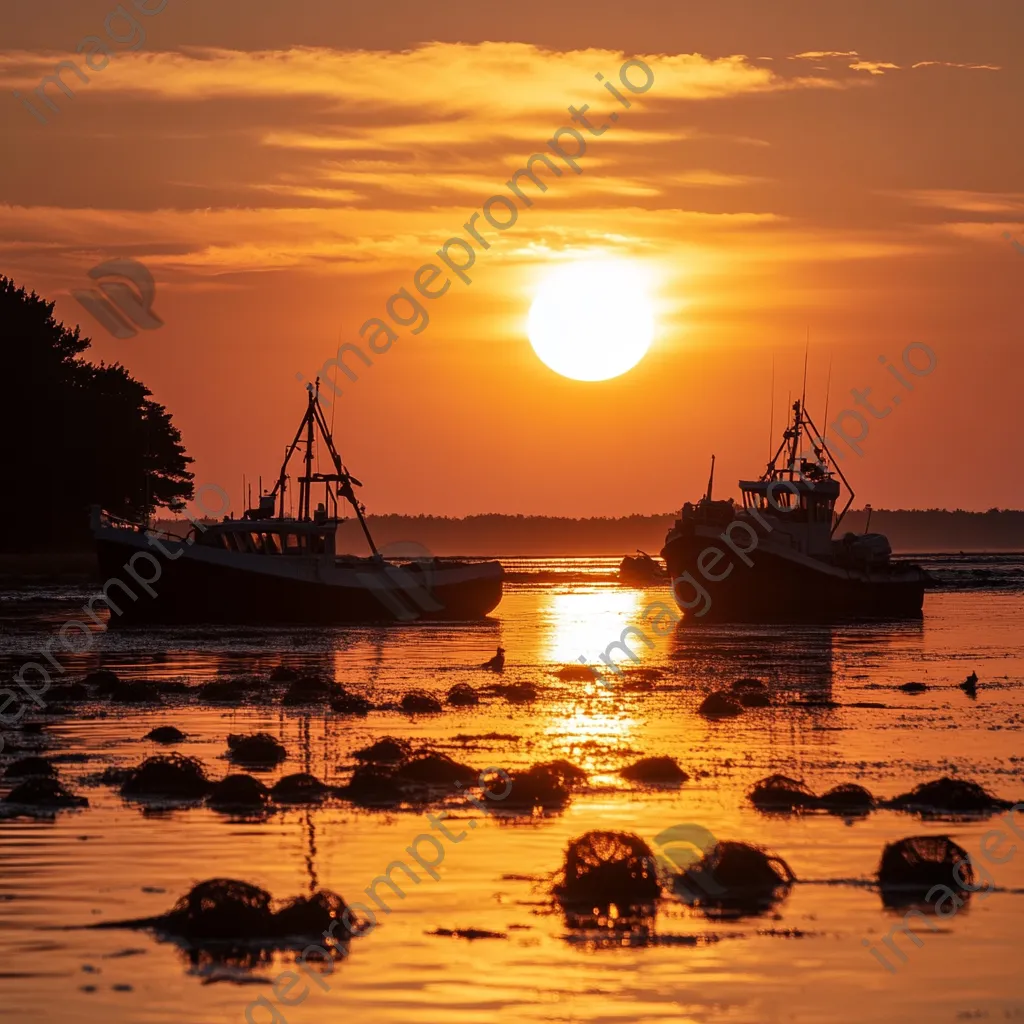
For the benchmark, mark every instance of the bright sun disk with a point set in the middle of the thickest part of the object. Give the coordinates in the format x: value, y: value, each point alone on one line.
x: 593, y: 319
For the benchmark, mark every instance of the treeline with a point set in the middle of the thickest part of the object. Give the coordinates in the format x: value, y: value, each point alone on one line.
x: 75, y: 434
x: 908, y: 531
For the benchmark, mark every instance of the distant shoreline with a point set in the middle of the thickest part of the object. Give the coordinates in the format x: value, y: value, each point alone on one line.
x: 910, y: 532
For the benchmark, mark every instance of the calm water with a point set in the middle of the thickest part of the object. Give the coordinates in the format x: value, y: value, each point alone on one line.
x: 805, y: 962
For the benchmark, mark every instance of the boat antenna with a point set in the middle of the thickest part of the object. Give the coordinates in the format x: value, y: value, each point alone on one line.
x: 807, y: 352
x: 828, y: 392
x: 771, y: 414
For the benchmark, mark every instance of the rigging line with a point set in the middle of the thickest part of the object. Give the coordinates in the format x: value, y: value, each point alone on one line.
x: 771, y: 414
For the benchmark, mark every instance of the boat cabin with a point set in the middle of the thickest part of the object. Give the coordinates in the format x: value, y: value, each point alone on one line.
x: 270, y: 537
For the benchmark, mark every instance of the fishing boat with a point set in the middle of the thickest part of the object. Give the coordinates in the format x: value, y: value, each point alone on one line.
x: 780, y: 557
x: 269, y: 567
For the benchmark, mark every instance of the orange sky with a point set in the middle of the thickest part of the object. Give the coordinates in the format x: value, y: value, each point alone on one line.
x: 283, y: 169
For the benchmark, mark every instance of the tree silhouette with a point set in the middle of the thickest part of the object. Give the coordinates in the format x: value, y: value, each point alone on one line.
x: 75, y: 433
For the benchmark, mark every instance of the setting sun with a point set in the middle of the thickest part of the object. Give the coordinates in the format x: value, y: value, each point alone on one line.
x: 592, y: 320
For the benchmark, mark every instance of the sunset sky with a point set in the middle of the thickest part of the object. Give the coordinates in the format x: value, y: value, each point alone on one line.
x: 848, y: 170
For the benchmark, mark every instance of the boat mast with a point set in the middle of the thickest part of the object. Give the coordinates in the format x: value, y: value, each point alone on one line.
x: 711, y: 478
x: 313, y: 419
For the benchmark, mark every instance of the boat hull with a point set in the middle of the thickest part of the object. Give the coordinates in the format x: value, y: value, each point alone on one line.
x: 781, y: 586
x: 176, y: 582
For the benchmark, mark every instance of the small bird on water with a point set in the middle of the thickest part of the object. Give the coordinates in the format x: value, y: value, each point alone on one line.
x: 497, y: 663
x: 970, y: 685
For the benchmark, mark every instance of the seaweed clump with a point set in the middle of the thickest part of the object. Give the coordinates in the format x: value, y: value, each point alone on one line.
x: 720, y: 705
x: 542, y: 785
x: 734, y: 878
x: 165, y: 734
x: 373, y: 785
x: 910, y: 868
x: 419, y: 702
x: 655, y: 771
x: 29, y: 766
x: 40, y: 791
x: 462, y: 695
x: 605, y: 869
x: 241, y: 792
x: 259, y: 749
x: 140, y: 692
x: 434, y: 769
x: 746, y: 684
x: 848, y: 798
x: 308, y: 690
x: 517, y: 693
x: 167, y: 775
x: 226, y: 691
x: 952, y: 795
x: 576, y: 673
x: 387, y: 750
x: 344, y: 702
x: 225, y: 909
x: 103, y: 679
x: 299, y: 788
x: 781, y: 793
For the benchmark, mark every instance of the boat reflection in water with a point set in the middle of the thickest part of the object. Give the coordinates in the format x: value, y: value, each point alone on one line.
x: 267, y: 568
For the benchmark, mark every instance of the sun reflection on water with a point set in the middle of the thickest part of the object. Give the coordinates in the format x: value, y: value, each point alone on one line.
x: 585, y: 621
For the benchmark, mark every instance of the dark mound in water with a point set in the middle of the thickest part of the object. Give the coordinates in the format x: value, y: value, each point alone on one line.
x: 462, y: 695
x: 308, y: 690
x: 433, y: 769
x: 168, y: 775
x: 299, y: 788
x: 749, y: 685
x: 517, y: 693
x: 258, y: 748
x: 226, y: 691
x: 134, y: 693
x: 655, y: 771
x: 909, y: 868
x: 386, y: 750
x: 221, y: 908
x: 29, y: 766
x: 224, y: 909
x: 73, y: 691
x: 754, y: 699
x: 372, y: 785
x: 566, y: 772
x: 848, y: 797
x: 952, y: 795
x: 419, y: 702
x: 608, y: 868
x: 913, y: 687
x: 165, y: 734
x: 40, y: 791
x: 310, y: 915
x: 576, y: 673
x: 781, y: 793
x: 345, y: 703
x: 103, y: 679
x: 736, y: 878
x: 239, y: 792
x: 283, y: 674
x: 539, y: 786
x: 638, y: 680
x: 719, y: 705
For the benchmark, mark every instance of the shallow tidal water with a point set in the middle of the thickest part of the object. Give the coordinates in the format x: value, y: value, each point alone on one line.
x: 804, y: 961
